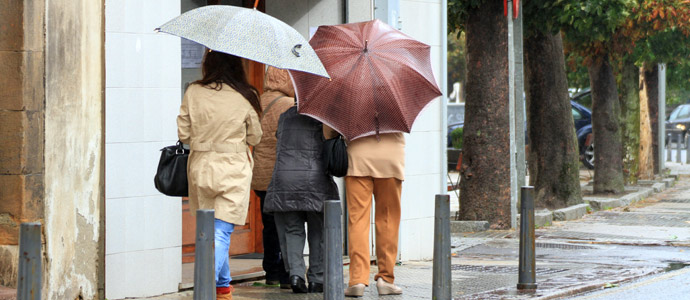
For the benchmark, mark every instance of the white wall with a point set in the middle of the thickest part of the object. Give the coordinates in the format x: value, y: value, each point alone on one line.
x: 143, y: 227
x: 422, y: 20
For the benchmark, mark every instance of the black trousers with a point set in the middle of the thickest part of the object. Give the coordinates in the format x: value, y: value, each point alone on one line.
x: 273, y: 260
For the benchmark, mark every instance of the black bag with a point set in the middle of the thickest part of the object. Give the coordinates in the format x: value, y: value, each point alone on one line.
x: 171, y: 177
x: 335, y: 156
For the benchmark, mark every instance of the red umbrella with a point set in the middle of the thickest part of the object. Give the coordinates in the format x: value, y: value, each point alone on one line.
x: 380, y: 79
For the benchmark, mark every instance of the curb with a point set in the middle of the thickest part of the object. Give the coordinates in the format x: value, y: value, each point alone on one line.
x: 545, y: 217
x: 468, y: 226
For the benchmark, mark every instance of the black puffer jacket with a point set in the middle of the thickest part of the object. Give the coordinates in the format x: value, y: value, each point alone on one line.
x: 299, y: 181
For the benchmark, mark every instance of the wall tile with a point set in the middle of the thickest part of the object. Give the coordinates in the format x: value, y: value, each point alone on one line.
x: 142, y: 60
x: 135, y: 16
x: 422, y: 153
x: 141, y: 114
x: 130, y: 168
x: 143, y: 273
x: 422, y: 21
x: 418, y: 196
x: 143, y: 223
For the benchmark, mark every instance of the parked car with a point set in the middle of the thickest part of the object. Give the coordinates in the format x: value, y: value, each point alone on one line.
x: 679, y: 120
x: 582, y: 117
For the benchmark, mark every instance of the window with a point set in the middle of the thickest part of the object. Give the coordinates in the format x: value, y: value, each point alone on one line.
x: 576, y: 114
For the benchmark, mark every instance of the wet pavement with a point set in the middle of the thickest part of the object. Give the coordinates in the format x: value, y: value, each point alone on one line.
x: 607, y: 250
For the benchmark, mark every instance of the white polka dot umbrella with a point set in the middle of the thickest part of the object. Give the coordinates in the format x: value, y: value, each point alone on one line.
x: 247, y: 33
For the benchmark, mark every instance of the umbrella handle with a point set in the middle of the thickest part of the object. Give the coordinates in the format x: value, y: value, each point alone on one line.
x: 256, y: 3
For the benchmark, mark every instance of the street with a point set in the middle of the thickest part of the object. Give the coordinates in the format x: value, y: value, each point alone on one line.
x: 673, y: 285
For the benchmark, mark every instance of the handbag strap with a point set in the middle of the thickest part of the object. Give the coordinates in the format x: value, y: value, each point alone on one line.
x: 271, y: 104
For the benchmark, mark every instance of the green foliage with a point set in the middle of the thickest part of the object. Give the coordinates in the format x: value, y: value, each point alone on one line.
x: 456, y: 138
x: 457, y: 65
x: 589, y: 25
x: 458, y: 12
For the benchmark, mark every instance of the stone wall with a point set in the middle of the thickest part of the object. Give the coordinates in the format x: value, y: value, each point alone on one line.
x: 21, y: 126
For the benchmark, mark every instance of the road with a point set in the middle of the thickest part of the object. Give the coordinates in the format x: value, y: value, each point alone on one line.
x: 672, y: 285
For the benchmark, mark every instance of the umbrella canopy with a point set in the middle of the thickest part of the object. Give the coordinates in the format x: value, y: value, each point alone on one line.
x: 247, y: 33
x: 380, y: 79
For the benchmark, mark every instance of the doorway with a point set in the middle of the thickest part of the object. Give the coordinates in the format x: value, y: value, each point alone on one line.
x: 246, y: 247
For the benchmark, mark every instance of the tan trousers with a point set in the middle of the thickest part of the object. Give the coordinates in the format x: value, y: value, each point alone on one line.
x: 387, y: 219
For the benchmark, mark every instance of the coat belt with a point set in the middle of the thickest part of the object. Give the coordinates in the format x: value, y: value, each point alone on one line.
x: 219, y: 147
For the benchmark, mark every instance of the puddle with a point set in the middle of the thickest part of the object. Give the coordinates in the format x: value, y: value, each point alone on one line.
x: 673, y: 266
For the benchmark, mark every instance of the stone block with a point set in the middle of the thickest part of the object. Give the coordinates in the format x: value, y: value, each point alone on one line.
x: 21, y: 25
x: 22, y: 84
x: 543, y: 218
x: 9, y: 230
x: 21, y: 196
x: 21, y: 134
x: 468, y: 226
x: 570, y: 213
x: 9, y: 263
x: 603, y: 203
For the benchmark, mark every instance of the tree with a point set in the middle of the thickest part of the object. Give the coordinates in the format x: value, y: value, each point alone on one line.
x: 554, y: 156
x: 457, y: 65
x: 589, y: 27
x: 485, y: 184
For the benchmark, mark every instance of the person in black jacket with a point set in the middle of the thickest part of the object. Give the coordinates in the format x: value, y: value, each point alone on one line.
x: 298, y: 188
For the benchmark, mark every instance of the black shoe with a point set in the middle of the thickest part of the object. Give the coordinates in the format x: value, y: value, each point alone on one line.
x: 297, y: 284
x: 316, y: 287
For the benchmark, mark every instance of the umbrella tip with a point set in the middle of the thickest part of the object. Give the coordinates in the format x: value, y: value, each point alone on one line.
x: 157, y: 30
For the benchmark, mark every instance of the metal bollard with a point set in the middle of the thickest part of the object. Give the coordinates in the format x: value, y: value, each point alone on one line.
x: 668, y: 147
x: 30, y: 265
x: 687, y: 151
x: 679, y: 137
x: 333, y: 248
x: 527, y: 274
x: 441, y: 286
x: 204, y: 256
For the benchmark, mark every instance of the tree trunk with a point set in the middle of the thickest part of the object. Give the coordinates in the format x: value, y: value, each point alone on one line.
x: 608, y: 160
x: 647, y: 157
x: 554, y: 157
x: 629, y: 99
x: 651, y: 86
x: 485, y: 184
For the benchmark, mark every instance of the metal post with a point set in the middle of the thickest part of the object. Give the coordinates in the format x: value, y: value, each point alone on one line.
x: 679, y: 136
x: 512, y: 120
x: 687, y: 150
x: 441, y: 286
x: 30, y: 264
x: 668, y: 149
x: 527, y: 274
x: 204, y: 256
x: 333, y: 248
x: 661, y: 118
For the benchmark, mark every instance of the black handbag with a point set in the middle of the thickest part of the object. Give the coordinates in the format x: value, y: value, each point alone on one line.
x: 171, y: 177
x: 335, y: 156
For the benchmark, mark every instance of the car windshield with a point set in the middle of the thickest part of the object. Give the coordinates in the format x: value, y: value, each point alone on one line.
x: 681, y: 112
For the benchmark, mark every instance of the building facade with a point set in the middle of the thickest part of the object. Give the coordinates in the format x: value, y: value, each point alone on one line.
x: 93, y: 96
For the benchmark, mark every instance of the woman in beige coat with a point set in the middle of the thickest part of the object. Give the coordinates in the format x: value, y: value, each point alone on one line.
x: 219, y: 119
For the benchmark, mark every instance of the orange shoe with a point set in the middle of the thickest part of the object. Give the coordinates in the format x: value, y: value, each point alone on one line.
x: 224, y: 293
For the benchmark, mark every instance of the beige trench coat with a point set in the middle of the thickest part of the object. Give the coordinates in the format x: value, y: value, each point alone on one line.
x: 219, y: 126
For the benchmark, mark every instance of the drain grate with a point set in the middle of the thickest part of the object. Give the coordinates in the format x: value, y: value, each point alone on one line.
x: 501, y: 269
x: 562, y: 246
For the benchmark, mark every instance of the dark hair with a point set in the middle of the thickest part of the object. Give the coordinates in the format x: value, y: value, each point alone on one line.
x: 219, y: 68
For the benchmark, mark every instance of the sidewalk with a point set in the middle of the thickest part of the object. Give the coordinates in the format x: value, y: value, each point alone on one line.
x: 604, y: 248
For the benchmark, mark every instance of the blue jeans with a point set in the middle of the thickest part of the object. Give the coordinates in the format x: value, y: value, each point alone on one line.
x: 222, y: 244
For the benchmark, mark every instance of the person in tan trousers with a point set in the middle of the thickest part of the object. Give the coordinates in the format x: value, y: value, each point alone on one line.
x: 376, y: 167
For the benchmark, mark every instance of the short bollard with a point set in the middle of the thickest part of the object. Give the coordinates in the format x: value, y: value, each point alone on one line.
x: 441, y: 286
x: 333, y: 248
x: 30, y: 266
x: 204, y: 256
x: 679, y: 137
x: 527, y: 273
x: 687, y: 151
